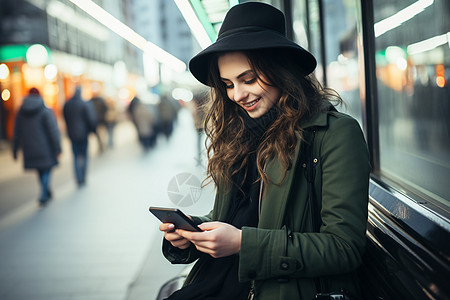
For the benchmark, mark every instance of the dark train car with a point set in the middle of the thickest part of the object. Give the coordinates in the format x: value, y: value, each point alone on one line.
x: 390, y: 62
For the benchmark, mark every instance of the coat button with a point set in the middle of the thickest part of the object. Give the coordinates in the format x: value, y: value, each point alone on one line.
x: 251, y: 274
x: 284, y: 265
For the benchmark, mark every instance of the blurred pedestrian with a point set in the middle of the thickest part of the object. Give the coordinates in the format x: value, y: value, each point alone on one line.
x: 36, y: 132
x: 197, y: 109
x: 144, y: 117
x: 110, y: 120
x: 101, y: 108
x: 168, y: 113
x: 80, y: 120
x: 130, y: 109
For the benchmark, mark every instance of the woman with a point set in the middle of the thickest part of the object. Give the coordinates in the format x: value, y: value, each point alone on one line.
x: 266, y: 114
x: 37, y: 133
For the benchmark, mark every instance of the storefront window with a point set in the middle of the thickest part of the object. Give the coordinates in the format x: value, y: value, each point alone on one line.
x: 413, y: 67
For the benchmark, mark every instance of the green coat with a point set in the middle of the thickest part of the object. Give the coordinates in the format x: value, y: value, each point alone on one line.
x: 282, y: 256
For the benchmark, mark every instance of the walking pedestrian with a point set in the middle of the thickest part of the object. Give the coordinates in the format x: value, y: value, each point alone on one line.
x: 167, y: 111
x: 36, y: 132
x: 111, y: 120
x: 196, y: 107
x: 291, y: 172
x: 80, y: 121
x: 144, y: 117
x: 101, y: 108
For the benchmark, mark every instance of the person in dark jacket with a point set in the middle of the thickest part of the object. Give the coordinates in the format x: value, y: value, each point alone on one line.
x: 36, y: 132
x: 291, y: 173
x: 101, y: 108
x: 80, y: 121
x: 144, y: 117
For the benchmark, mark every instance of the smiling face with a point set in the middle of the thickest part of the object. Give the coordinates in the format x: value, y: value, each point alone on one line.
x: 243, y: 85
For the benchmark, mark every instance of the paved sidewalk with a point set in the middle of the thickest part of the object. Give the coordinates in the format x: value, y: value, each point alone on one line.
x: 94, y: 242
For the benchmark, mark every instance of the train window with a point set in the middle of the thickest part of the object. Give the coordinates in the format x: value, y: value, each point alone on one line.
x: 306, y: 29
x: 341, y: 53
x: 344, y: 52
x: 412, y: 41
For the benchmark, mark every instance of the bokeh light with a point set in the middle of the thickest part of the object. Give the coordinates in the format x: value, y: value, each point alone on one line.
x: 182, y: 94
x: 6, y: 94
x: 4, y: 72
x: 37, y: 55
x: 50, y: 72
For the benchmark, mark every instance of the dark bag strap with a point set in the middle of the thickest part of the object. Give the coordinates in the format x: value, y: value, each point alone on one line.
x: 310, y: 162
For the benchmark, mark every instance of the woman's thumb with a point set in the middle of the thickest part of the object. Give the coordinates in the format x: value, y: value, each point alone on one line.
x: 209, y: 226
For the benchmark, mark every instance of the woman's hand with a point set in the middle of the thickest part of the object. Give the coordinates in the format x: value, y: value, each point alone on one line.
x: 218, y: 239
x: 173, y: 237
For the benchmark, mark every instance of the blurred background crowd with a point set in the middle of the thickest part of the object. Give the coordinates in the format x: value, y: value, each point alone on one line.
x: 55, y: 46
x: 126, y: 60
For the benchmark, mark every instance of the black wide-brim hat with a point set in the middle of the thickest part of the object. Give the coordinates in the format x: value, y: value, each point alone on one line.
x: 250, y: 26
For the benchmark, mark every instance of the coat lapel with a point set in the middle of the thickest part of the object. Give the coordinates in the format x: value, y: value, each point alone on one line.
x: 276, y: 195
x: 221, y: 205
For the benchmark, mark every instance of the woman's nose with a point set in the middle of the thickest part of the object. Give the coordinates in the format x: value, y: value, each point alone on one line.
x: 240, y: 93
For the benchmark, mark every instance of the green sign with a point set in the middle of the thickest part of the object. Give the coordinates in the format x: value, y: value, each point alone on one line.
x: 13, y: 52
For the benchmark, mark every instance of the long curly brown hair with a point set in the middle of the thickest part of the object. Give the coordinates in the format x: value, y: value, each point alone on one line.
x: 227, y: 143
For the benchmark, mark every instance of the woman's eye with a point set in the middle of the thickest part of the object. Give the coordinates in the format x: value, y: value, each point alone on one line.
x: 228, y: 86
x: 250, y: 81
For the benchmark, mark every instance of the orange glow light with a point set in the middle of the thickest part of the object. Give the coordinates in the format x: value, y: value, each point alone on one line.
x: 440, y: 75
x: 440, y: 81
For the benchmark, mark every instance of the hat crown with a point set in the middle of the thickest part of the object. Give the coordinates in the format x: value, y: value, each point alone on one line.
x: 256, y: 15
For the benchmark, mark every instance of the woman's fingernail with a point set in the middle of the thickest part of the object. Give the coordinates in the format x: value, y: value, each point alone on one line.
x: 171, y: 226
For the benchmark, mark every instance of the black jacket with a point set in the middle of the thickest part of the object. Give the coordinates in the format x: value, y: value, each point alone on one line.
x: 80, y: 118
x: 36, y: 132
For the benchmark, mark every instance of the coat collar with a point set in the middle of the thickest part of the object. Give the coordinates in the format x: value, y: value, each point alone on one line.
x: 272, y: 212
x: 320, y: 119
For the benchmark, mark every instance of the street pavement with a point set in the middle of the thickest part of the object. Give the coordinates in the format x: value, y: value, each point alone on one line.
x: 99, y: 241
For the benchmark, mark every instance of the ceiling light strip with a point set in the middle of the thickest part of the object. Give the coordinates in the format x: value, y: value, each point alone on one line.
x: 194, y: 23
x: 128, y: 34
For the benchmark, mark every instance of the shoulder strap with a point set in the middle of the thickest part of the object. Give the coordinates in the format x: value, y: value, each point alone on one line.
x: 310, y: 162
x: 310, y: 173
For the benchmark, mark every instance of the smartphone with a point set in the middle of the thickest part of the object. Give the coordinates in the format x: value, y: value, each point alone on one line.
x: 174, y: 216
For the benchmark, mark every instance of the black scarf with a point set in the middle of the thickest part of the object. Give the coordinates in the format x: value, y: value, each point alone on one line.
x: 218, y: 278
x: 246, y: 185
x: 257, y: 127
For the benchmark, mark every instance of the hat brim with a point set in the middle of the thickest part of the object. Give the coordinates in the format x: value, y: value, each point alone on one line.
x: 198, y: 65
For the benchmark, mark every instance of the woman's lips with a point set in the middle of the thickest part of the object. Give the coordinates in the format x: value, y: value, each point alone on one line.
x: 251, y: 105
